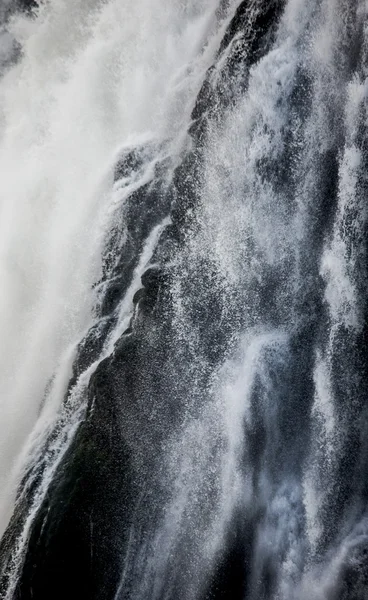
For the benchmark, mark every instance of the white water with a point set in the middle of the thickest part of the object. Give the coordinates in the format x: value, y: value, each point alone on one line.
x: 98, y: 77
x: 248, y: 229
x: 93, y: 77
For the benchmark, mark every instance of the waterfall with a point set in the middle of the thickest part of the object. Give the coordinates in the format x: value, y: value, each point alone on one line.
x: 183, y: 231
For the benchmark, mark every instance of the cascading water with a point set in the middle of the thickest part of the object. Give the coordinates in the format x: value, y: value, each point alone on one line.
x: 183, y: 229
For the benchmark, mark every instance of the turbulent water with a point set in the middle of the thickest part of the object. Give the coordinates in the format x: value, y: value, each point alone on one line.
x: 184, y: 302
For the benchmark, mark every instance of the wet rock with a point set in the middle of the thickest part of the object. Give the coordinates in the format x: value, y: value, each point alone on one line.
x: 114, y: 293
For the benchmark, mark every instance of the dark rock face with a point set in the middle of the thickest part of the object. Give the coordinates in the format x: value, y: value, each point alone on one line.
x: 81, y: 533
x: 9, y: 7
x: 92, y: 536
x: 27, y: 5
x: 10, y: 48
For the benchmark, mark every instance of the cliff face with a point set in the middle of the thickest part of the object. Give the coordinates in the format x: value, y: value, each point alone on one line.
x: 144, y: 503
x: 112, y: 478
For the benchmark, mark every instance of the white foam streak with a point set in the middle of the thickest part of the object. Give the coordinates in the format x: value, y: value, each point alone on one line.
x: 337, y: 265
x: 210, y: 470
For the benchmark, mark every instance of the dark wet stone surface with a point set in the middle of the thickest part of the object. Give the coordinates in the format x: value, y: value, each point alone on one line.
x: 110, y: 477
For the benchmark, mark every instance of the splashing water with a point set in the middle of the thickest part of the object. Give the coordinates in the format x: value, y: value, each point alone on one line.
x: 183, y: 255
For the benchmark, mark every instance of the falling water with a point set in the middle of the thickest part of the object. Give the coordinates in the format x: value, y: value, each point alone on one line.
x: 183, y: 229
